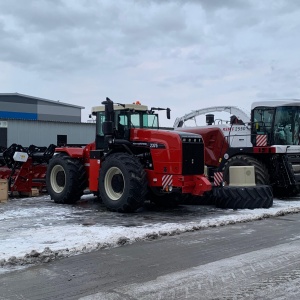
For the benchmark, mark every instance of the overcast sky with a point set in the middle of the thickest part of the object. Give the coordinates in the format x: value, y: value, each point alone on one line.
x: 184, y: 55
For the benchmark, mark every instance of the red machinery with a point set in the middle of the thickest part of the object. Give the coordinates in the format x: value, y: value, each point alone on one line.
x: 25, y: 168
x: 269, y: 141
x: 129, y: 158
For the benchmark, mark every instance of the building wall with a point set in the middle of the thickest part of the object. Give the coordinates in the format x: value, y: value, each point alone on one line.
x: 28, y: 108
x: 54, y: 112
x: 44, y: 133
x: 16, y: 107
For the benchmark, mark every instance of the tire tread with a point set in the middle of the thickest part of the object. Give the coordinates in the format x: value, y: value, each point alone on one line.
x: 234, y: 197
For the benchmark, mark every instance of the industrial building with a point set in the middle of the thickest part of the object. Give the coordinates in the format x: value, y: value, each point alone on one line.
x: 28, y: 120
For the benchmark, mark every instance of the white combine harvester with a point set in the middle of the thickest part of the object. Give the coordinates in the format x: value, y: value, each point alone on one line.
x: 268, y: 139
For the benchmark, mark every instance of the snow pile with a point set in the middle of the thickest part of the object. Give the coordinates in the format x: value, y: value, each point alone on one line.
x: 23, y: 244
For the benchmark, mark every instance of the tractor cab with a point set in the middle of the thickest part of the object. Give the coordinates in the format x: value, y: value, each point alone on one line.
x: 114, y: 121
x: 277, y: 120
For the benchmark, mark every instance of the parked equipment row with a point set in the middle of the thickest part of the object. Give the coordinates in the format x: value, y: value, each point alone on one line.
x: 25, y: 167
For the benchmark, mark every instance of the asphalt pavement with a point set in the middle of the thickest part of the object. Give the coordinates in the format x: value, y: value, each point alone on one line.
x: 253, y: 260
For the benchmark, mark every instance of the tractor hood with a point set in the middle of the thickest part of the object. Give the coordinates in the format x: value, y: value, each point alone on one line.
x: 163, y: 138
x: 173, y: 152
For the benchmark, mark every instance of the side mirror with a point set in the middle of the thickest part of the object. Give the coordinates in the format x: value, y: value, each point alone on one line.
x: 168, y: 113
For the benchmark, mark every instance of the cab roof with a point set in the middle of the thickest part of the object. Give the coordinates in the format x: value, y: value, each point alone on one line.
x: 118, y: 107
x: 276, y: 103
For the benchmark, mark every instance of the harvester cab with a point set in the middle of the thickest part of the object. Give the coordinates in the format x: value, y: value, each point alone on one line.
x: 277, y: 121
x: 130, y: 160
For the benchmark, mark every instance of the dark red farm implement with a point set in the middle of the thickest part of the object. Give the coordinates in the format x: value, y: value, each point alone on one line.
x: 25, y: 168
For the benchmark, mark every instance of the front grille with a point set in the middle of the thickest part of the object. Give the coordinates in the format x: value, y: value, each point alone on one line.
x: 193, y: 158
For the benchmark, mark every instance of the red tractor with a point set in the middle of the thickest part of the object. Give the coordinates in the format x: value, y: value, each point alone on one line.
x: 130, y: 160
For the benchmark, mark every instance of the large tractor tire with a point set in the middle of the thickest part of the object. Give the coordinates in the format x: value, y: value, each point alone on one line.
x: 122, y: 183
x: 66, y: 179
x: 250, y: 197
x: 262, y: 176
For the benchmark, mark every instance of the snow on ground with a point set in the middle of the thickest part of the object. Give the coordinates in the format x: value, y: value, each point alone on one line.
x: 35, y: 230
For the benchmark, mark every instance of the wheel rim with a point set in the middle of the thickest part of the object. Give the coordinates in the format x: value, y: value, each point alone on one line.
x: 114, y: 183
x: 58, y: 179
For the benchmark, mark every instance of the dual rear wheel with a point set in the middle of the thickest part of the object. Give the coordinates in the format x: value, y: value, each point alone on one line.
x: 122, y: 181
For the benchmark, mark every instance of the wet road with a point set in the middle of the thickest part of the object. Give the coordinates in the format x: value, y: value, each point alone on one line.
x: 255, y: 260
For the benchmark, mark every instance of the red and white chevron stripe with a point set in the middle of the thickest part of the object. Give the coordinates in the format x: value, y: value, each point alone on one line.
x: 218, y: 178
x: 167, y: 180
x: 261, y: 140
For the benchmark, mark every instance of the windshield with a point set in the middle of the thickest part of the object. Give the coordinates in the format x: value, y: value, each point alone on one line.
x: 150, y: 121
x: 286, y: 125
x: 281, y: 124
x: 140, y: 119
x: 124, y: 120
